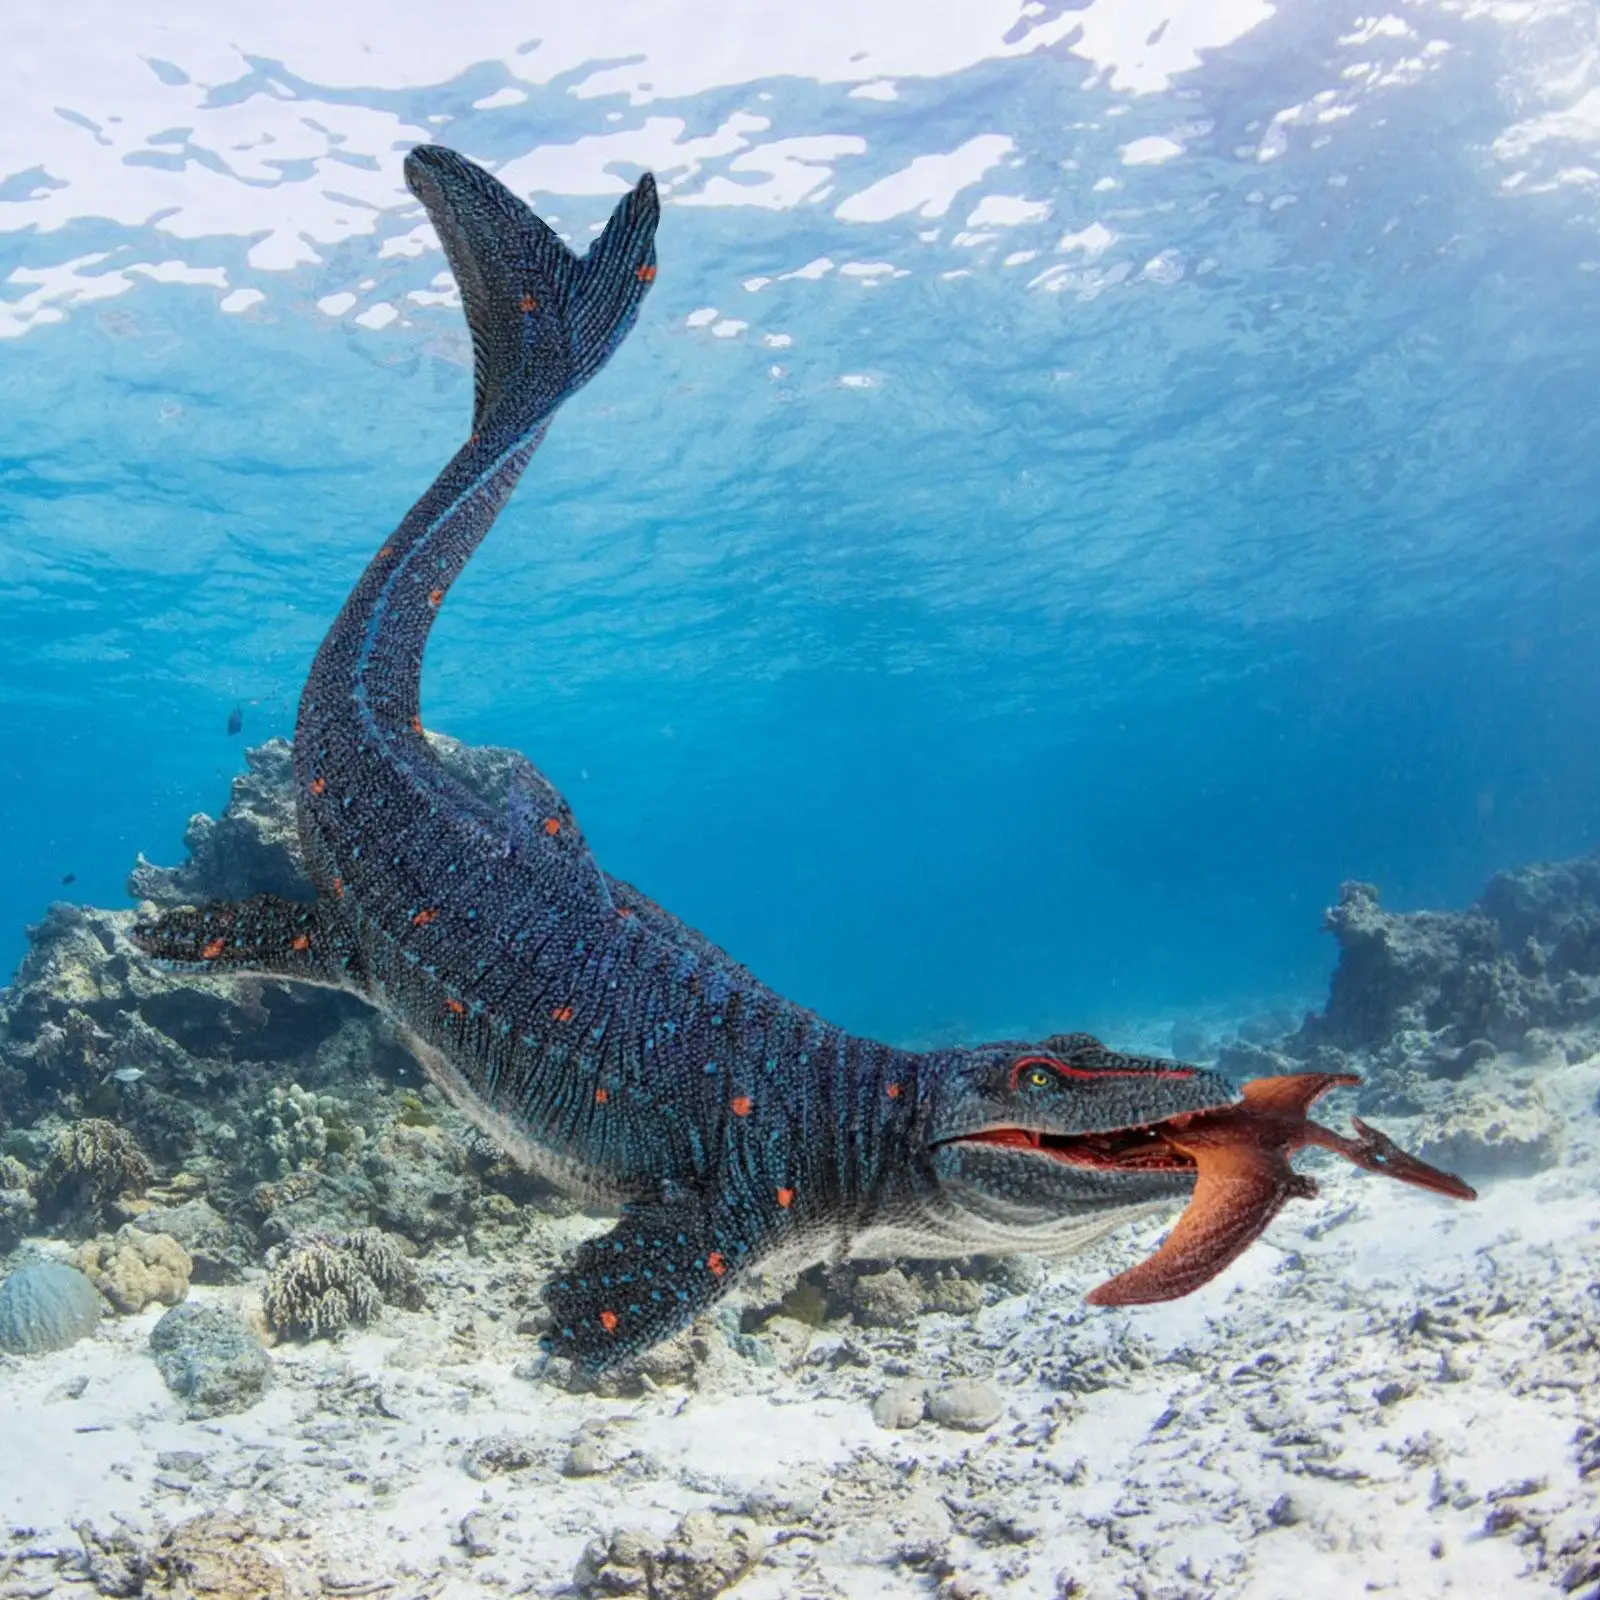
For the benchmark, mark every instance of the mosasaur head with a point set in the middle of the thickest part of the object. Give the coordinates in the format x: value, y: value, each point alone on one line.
x: 1041, y: 1147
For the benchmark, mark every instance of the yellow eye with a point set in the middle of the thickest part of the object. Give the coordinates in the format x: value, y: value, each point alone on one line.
x: 1038, y: 1078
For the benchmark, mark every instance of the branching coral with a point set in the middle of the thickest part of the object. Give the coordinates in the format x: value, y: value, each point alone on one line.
x: 93, y: 1163
x: 330, y: 1281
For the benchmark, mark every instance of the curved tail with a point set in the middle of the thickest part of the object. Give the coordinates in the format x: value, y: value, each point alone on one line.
x: 543, y: 322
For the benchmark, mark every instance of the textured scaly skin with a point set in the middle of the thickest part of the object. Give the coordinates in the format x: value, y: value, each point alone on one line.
x: 614, y: 1048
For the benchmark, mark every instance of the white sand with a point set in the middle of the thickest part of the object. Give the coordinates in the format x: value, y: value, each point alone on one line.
x: 1239, y: 1443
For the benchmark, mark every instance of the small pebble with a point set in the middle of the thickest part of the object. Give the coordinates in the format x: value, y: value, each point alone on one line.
x: 901, y: 1405
x: 971, y: 1406
x: 477, y: 1535
x: 584, y: 1460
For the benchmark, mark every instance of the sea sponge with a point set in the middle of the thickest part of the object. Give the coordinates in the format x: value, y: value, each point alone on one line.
x: 46, y: 1306
x: 93, y: 1163
x: 136, y: 1269
x: 329, y: 1281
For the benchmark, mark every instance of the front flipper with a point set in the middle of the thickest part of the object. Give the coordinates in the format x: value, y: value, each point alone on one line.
x: 662, y: 1265
x: 261, y: 934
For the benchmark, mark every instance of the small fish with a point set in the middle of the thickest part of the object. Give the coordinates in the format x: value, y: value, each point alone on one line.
x: 69, y: 877
x: 235, y: 720
x: 1240, y: 1154
x: 124, y: 1075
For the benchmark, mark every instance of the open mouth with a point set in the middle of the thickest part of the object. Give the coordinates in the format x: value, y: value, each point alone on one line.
x: 1145, y: 1148
x: 1239, y: 1155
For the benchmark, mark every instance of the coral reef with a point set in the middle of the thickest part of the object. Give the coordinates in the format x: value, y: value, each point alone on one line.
x: 46, y: 1306
x: 324, y: 1285
x: 216, y: 1250
x: 209, y: 1358
x: 93, y: 1165
x: 1453, y: 1017
x: 254, y: 848
x: 17, y: 1209
x: 297, y: 1127
x: 136, y: 1268
x: 1527, y: 955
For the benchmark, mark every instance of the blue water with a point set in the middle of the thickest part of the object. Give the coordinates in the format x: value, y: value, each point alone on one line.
x: 1052, y: 677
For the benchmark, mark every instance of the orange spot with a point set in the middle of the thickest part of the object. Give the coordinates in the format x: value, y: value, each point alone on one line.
x: 646, y: 274
x: 529, y: 303
x: 301, y: 941
x: 338, y: 886
x: 716, y: 1263
x: 741, y: 1105
x: 436, y: 598
x: 552, y: 826
x: 213, y: 950
x: 608, y: 1321
x: 562, y: 1014
x: 416, y: 724
x: 388, y: 550
x: 786, y: 1198
x: 624, y: 911
x: 601, y: 1096
x: 893, y: 1091
x: 318, y: 785
x: 455, y: 1006
x: 472, y: 438
x: 423, y: 918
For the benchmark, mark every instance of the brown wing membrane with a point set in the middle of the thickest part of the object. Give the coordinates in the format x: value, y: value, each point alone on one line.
x: 1240, y: 1188
x: 1294, y: 1095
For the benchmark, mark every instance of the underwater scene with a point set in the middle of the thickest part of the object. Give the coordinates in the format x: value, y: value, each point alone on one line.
x: 802, y: 800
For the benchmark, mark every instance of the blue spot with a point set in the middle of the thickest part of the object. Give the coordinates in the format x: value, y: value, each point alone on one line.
x: 804, y: 1058
x: 716, y: 1022
x: 711, y: 1066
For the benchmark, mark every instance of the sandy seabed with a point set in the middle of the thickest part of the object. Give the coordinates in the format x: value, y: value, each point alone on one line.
x: 1390, y: 1393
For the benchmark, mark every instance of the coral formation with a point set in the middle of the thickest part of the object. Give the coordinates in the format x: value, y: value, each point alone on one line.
x: 325, y: 1284
x: 254, y: 848
x: 297, y: 1127
x: 209, y: 1358
x: 135, y: 1268
x: 16, y: 1203
x: 706, y: 1555
x: 94, y: 1163
x: 45, y: 1306
x: 1527, y: 955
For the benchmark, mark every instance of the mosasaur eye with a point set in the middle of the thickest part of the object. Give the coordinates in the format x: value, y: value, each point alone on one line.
x: 1038, y: 1077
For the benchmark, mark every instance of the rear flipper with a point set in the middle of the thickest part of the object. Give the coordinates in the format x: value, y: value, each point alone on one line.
x: 662, y: 1265
x: 261, y: 934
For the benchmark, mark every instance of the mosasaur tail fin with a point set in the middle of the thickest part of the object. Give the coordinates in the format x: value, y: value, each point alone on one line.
x: 543, y: 320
